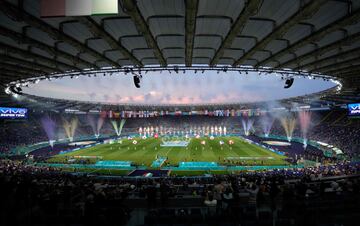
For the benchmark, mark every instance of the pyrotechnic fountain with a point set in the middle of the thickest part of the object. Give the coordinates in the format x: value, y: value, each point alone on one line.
x: 266, y: 123
x: 49, y: 126
x: 117, y: 128
x: 288, y: 123
x: 100, y: 123
x: 96, y: 125
x: 70, y: 128
x: 305, y: 119
x: 247, y: 125
x: 92, y: 122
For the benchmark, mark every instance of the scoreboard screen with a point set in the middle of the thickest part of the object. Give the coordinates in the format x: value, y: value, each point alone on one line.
x: 354, y: 109
x: 13, y: 113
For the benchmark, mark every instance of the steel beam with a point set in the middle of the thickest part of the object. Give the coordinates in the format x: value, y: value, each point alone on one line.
x: 333, y: 60
x: 315, y: 36
x: 348, y: 69
x: 28, y: 64
x: 350, y: 74
x: 38, y: 58
x: 22, y: 16
x: 99, y: 31
x: 250, y: 9
x: 7, y: 77
x: 18, y: 74
x: 320, y: 51
x: 306, y: 12
x: 338, y: 65
x: 190, y: 25
x: 23, y: 39
x: 133, y: 11
x: 20, y: 69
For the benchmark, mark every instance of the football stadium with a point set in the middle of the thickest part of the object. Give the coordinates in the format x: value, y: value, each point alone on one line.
x: 180, y: 112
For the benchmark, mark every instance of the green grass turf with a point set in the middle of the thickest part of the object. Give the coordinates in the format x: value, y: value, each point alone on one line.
x: 145, y: 151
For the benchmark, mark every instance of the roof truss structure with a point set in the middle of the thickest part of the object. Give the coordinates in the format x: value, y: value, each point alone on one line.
x: 317, y: 36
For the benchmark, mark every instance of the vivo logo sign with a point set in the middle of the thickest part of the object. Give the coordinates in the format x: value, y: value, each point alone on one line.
x: 13, y: 112
x: 354, y: 109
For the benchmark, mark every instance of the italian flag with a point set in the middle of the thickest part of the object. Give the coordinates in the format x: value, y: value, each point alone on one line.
x: 61, y: 8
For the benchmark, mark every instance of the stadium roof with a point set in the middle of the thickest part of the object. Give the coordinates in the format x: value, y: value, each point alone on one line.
x: 321, y: 36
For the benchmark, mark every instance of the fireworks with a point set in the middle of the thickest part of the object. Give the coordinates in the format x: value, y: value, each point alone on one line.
x: 288, y: 123
x: 49, y: 126
x: 266, y: 123
x: 305, y: 119
x: 70, y: 128
x: 96, y: 124
x: 117, y: 128
x: 247, y: 125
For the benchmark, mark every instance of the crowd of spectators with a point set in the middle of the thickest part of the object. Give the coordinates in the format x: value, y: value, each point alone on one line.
x: 44, y: 191
x: 19, y: 134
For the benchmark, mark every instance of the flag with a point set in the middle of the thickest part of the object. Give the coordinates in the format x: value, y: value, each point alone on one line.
x: 103, y: 114
x: 116, y: 114
x: 227, y: 114
x: 61, y: 8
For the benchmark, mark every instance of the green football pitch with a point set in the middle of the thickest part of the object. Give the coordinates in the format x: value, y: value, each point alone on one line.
x: 146, y: 150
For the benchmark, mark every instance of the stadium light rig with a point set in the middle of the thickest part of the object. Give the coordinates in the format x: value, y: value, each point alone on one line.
x: 288, y: 83
x: 7, y: 90
x: 137, y: 79
x: 287, y: 73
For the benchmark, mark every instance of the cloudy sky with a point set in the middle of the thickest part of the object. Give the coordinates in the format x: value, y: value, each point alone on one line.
x: 188, y: 88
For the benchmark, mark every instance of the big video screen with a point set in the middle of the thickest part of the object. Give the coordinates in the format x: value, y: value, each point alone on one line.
x: 354, y: 109
x: 13, y: 113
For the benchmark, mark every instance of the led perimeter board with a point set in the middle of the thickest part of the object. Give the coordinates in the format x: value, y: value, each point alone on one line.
x: 353, y: 109
x: 13, y: 113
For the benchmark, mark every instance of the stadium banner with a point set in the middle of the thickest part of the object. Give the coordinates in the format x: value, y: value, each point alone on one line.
x: 12, y: 113
x: 62, y: 8
x: 354, y: 109
x: 150, y: 114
